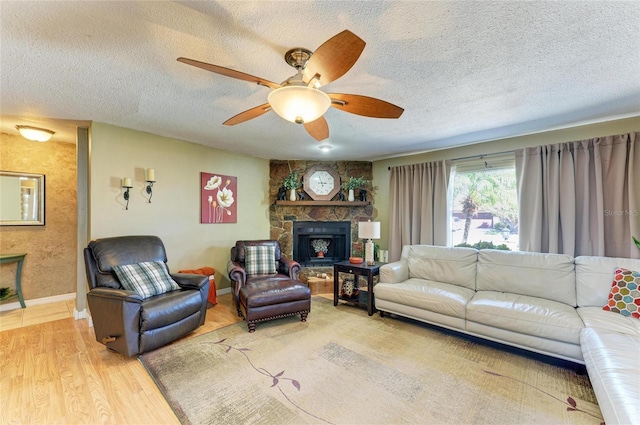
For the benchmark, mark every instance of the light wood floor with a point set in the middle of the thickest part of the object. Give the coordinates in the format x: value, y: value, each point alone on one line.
x: 56, y: 373
x: 35, y: 314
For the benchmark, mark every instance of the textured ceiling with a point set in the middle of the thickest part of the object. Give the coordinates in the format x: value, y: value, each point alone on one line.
x: 464, y: 71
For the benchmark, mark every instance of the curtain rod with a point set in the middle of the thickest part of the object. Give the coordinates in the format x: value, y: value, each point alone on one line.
x: 482, y: 155
x: 475, y: 156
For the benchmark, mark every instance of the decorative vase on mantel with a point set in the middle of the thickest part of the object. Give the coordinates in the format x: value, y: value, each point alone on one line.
x: 352, y: 184
x: 292, y: 194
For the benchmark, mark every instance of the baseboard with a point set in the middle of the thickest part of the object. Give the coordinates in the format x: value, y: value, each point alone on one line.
x: 39, y: 301
x: 80, y: 314
x: 223, y: 291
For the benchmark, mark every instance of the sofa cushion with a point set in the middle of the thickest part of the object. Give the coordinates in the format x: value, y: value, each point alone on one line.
x: 260, y: 259
x: 456, y: 266
x: 147, y: 278
x: 624, y: 297
x: 525, y: 314
x: 549, y: 276
x: 596, y: 317
x: 438, y: 297
x: 614, y: 371
x: 593, y: 278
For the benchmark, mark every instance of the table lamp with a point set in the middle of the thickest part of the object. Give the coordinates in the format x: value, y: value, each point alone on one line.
x: 369, y: 230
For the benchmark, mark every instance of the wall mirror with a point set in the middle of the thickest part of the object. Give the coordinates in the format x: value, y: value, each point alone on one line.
x: 21, y: 199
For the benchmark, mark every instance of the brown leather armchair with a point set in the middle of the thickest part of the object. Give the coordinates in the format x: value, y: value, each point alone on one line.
x: 286, y: 269
x: 123, y: 320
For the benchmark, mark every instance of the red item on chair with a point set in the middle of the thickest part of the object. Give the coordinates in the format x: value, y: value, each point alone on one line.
x: 206, y: 271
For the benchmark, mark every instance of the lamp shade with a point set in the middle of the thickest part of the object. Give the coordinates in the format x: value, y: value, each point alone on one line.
x: 34, y: 133
x: 369, y: 230
x: 299, y: 104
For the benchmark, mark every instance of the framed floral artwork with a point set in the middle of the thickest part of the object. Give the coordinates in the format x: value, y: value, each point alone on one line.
x: 218, y: 203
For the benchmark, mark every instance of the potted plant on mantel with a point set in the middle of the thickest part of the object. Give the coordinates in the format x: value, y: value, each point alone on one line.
x: 290, y: 184
x: 352, y: 184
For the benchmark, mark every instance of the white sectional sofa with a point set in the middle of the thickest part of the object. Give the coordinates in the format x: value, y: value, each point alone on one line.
x: 546, y: 303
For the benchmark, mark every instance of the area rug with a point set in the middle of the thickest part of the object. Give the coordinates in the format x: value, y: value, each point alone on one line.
x: 344, y: 367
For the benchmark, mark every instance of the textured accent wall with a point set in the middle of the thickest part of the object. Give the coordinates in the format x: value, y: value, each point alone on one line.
x: 50, y: 266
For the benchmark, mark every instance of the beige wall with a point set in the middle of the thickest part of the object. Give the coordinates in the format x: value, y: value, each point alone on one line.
x: 50, y: 266
x: 381, y: 173
x: 174, y: 211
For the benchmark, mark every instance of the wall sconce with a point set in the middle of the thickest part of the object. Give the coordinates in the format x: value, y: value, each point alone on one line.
x: 126, y: 183
x: 34, y: 133
x: 150, y: 178
x: 369, y: 230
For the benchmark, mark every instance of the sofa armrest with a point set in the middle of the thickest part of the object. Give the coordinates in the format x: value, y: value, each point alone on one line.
x: 238, y: 277
x: 116, y: 318
x: 116, y: 294
x: 236, y: 272
x: 289, y: 267
x: 190, y: 281
x: 394, y: 272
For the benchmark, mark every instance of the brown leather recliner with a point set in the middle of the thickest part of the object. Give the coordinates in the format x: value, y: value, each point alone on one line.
x: 123, y: 320
x: 286, y: 269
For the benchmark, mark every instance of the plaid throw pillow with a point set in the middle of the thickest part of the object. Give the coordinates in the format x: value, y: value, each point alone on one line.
x: 260, y: 259
x: 147, y: 279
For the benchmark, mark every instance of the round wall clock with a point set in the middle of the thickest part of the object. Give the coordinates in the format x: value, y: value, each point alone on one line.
x: 321, y: 183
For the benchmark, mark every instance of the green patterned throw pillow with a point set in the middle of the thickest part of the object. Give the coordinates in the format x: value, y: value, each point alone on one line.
x: 260, y: 259
x: 147, y: 279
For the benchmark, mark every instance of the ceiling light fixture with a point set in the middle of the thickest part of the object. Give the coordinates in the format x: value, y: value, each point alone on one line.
x: 299, y: 104
x: 325, y: 148
x: 34, y: 133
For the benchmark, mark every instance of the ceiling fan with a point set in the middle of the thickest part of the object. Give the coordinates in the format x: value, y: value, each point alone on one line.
x: 298, y: 99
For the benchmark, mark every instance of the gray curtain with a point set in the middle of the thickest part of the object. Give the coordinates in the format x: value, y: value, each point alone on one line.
x: 581, y: 198
x: 418, y: 205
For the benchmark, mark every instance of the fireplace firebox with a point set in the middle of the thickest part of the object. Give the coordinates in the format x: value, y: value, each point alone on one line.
x: 336, y: 235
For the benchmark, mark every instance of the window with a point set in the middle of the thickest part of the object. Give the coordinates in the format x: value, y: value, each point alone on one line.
x: 484, y: 204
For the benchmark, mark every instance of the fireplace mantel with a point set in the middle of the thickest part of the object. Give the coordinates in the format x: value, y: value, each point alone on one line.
x: 323, y: 203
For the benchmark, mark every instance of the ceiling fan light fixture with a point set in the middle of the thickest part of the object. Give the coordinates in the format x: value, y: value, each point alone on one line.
x: 299, y: 104
x: 34, y: 133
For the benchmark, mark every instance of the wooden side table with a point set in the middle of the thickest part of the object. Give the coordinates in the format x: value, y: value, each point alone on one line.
x: 361, y: 269
x: 16, y: 258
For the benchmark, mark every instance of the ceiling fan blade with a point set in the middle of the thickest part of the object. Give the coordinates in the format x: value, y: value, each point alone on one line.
x: 248, y: 114
x: 365, y: 106
x: 334, y: 57
x: 229, y: 72
x: 318, y: 129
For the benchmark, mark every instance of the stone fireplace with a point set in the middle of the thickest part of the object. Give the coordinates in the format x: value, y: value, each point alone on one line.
x: 287, y: 217
x: 337, y: 234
